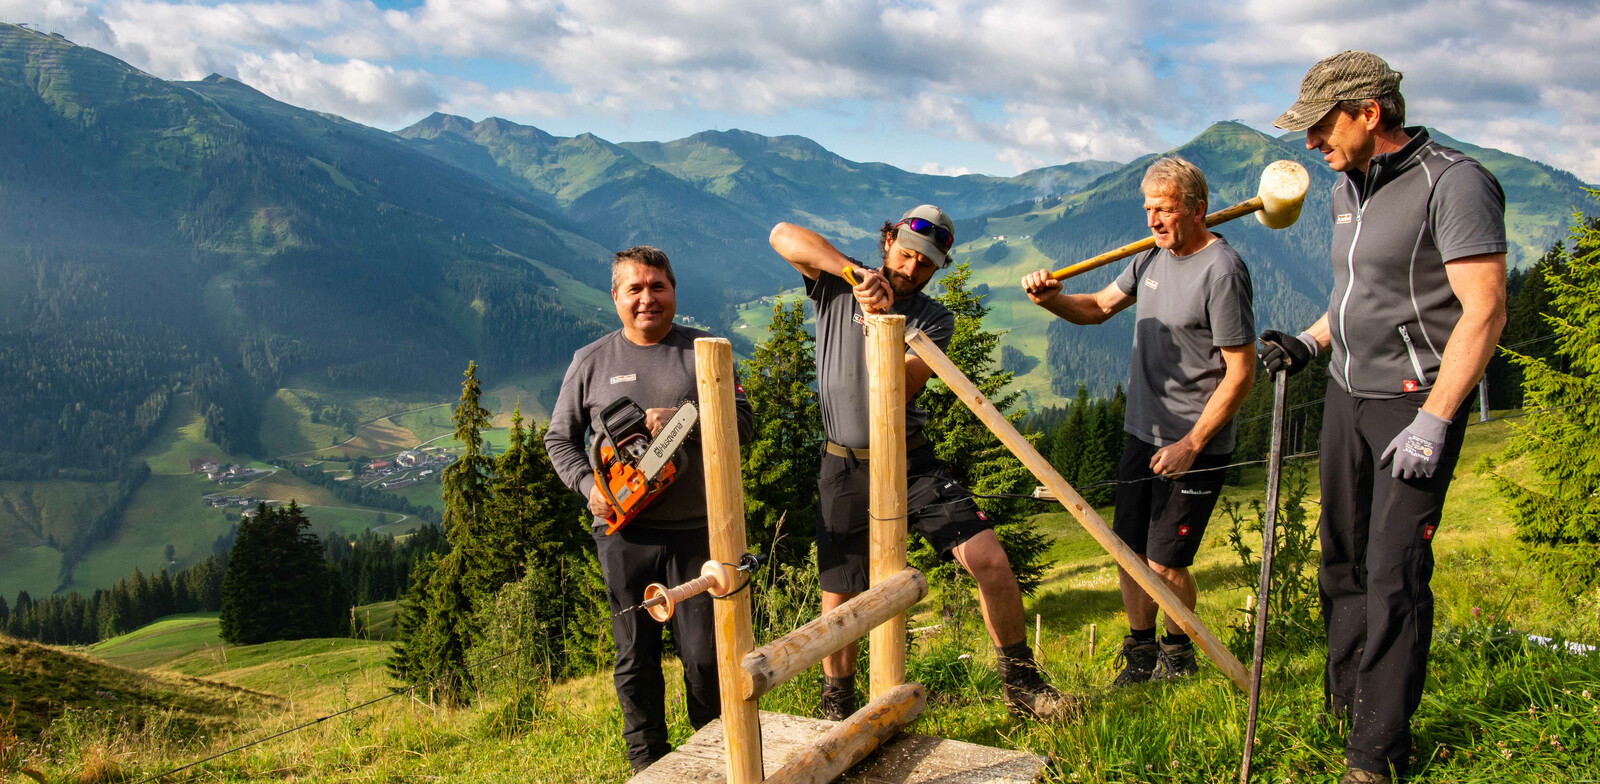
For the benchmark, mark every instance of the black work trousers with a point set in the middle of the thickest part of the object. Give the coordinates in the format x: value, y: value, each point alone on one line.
x: 1377, y: 558
x: 630, y: 560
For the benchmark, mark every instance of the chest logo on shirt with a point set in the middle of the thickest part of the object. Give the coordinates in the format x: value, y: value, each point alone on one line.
x: 857, y: 318
x: 622, y: 379
x: 1151, y: 283
x: 1344, y: 217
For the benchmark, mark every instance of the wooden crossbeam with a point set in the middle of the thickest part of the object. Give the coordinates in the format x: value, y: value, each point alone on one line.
x: 1080, y: 509
x: 771, y: 665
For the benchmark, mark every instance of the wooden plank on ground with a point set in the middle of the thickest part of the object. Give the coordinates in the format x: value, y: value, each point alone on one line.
x: 906, y: 759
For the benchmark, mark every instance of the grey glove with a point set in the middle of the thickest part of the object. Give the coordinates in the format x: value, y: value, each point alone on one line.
x: 1417, y: 448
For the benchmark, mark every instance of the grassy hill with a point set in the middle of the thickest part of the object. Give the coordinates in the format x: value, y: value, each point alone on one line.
x: 1497, y: 709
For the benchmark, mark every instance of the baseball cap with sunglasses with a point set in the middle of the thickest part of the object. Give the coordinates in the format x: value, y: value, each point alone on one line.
x: 927, y: 230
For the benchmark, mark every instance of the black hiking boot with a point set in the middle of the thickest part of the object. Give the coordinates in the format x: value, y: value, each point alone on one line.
x: 1359, y: 776
x: 1026, y: 693
x: 838, y: 698
x: 1174, y: 662
x: 1138, y: 661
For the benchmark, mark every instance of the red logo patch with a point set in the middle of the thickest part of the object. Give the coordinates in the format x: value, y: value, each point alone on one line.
x: 1409, y: 385
x: 1183, y: 530
x: 1427, y: 533
x: 982, y: 516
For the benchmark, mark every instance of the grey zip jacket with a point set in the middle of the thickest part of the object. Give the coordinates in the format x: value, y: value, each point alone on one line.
x: 1392, y: 309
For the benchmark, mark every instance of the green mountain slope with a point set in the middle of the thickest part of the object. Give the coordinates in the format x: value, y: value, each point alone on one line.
x: 794, y: 178
x: 719, y: 248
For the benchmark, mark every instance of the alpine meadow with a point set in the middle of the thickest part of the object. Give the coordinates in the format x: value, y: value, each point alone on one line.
x: 275, y: 500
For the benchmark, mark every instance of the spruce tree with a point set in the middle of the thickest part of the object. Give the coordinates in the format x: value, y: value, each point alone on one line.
x: 780, y: 465
x: 1560, y: 513
x: 972, y: 452
x: 436, y: 621
x: 277, y: 585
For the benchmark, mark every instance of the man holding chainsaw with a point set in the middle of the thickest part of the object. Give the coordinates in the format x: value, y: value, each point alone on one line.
x: 1418, y: 302
x: 940, y: 508
x: 1193, y: 364
x: 634, y: 391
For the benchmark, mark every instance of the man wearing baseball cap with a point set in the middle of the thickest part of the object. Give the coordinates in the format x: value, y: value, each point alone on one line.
x: 913, y: 247
x: 1418, y: 302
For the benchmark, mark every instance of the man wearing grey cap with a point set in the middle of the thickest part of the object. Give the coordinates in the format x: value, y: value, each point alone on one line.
x: 1418, y: 302
x: 913, y: 247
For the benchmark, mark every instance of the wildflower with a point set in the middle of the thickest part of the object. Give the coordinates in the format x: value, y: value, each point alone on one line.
x: 1505, y: 753
x: 1476, y: 612
x: 1586, y: 694
x: 1502, y: 744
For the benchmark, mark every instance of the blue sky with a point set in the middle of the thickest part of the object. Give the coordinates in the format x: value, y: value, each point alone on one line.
x: 941, y: 86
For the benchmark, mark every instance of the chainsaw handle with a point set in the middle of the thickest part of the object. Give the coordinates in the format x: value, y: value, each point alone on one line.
x: 605, y: 487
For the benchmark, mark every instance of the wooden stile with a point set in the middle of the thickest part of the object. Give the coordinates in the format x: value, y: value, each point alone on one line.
x: 851, y: 740
x: 1086, y: 515
x: 776, y: 662
x: 886, y: 393
x: 719, y: 444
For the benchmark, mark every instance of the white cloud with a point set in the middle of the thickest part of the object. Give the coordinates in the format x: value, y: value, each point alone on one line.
x: 952, y: 171
x: 1059, y: 81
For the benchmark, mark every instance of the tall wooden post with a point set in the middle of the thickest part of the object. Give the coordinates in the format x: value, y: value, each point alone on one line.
x: 719, y: 443
x: 886, y: 388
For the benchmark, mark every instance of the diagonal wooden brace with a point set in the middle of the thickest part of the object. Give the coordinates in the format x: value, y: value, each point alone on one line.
x: 1087, y: 516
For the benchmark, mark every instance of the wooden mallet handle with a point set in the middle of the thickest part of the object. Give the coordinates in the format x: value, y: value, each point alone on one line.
x: 1282, y: 192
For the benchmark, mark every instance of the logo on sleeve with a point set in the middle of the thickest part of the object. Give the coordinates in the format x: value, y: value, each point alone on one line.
x: 1150, y: 282
x: 1427, y: 532
x: 1344, y: 217
x: 1183, y: 530
x: 1409, y: 385
x: 622, y: 379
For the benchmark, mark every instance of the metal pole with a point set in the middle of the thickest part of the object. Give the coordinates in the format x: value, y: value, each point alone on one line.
x: 1269, y: 530
x: 1483, y: 399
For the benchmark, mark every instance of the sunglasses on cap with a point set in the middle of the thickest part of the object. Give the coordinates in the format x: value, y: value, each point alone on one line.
x: 942, y: 238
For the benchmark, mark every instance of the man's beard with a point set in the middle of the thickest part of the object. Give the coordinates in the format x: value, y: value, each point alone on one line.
x: 902, y: 286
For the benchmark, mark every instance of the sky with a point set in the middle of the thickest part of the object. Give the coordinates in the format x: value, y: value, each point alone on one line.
x: 939, y: 86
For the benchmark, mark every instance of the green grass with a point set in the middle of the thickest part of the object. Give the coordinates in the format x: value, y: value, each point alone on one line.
x: 160, y: 642
x: 1483, y: 683
x: 166, y: 510
x: 182, y: 438
x: 32, y: 569
x: 286, y: 426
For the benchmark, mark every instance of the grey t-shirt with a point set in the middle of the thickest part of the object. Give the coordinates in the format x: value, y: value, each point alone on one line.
x: 657, y: 376
x: 1188, y: 309
x: 842, y: 356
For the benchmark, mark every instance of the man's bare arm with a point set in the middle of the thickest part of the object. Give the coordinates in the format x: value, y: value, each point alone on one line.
x: 1479, y: 282
x: 812, y: 254
x: 1095, y: 308
x: 1239, y: 375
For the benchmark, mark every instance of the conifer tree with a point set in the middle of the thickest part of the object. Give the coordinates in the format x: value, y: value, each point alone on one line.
x: 436, y: 621
x: 277, y: 586
x: 780, y: 465
x: 971, y: 451
x: 1560, y: 514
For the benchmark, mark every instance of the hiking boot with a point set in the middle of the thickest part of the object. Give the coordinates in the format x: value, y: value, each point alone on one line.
x: 1359, y: 776
x: 1027, y: 695
x: 838, y: 698
x: 1174, y: 662
x: 1138, y: 661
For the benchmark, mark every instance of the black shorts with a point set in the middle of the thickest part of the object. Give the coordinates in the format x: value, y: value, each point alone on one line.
x: 936, y: 505
x: 1163, y: 519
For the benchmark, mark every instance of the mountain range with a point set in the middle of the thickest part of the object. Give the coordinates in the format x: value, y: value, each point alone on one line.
x: 158, y: 232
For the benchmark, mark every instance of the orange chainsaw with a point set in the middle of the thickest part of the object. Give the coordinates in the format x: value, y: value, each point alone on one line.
x: 630, y: 468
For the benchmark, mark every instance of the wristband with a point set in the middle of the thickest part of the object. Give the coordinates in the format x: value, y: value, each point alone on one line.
x: 1311, y: 343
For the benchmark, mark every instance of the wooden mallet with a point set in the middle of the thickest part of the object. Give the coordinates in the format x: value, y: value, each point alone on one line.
x: 1276, y: 205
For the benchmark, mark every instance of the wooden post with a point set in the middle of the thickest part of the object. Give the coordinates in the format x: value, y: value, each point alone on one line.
x: 776, y: 662
x: 886, y: 388
x: 851, y: 740
x: 1087, y: 516
x: 719, y: 444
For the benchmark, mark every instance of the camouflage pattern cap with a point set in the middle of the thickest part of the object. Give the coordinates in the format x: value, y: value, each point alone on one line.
x: 1348, y: 76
